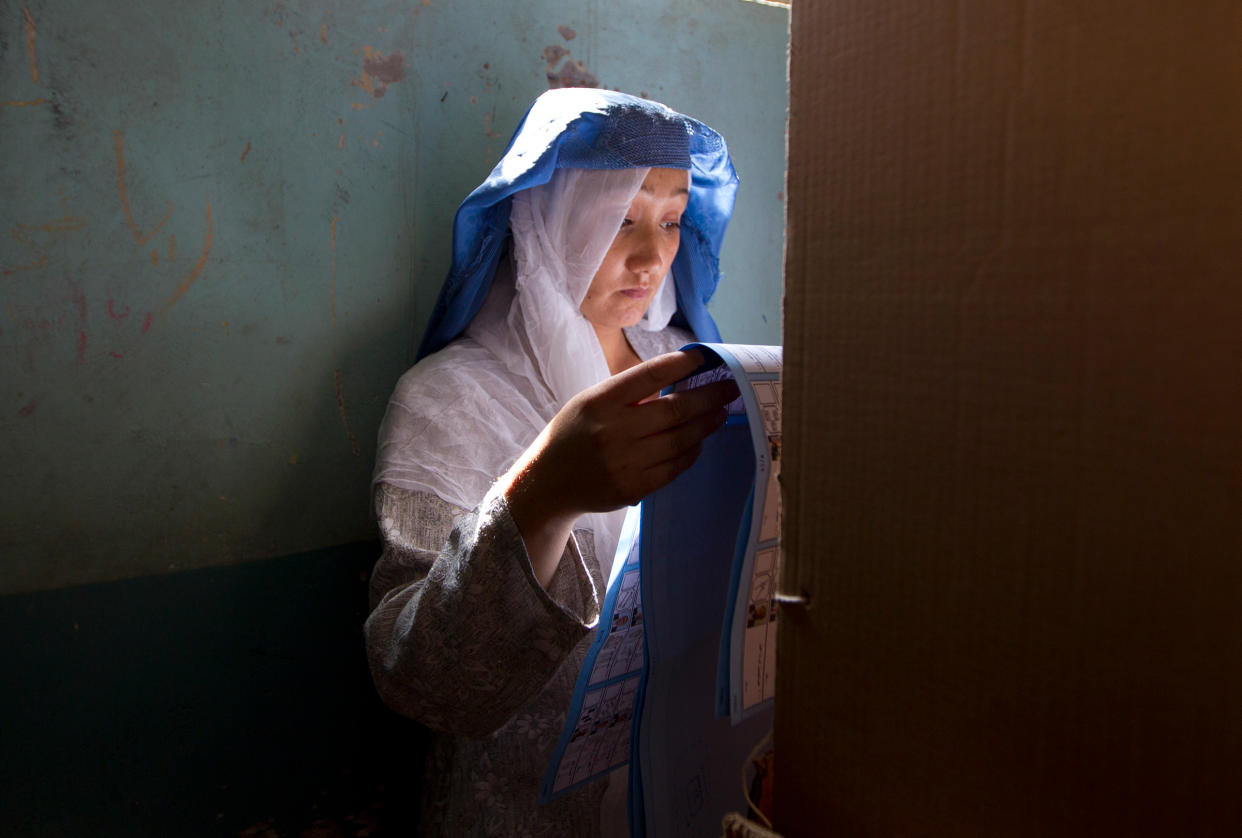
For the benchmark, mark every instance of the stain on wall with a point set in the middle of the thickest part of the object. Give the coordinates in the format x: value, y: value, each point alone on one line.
x: 379, y: 71
x: 564, y: 71
x: 229, y: 222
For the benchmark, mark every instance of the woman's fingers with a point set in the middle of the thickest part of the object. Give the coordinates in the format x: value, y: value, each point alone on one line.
x: 671, y: 443
x: 641, y: 381
x: 675, y: 409
x: 607, y: 448
x: 662, y: 474
x: 647, y: 464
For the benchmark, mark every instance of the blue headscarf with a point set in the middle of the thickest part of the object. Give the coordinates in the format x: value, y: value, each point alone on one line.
x: 585, y: 128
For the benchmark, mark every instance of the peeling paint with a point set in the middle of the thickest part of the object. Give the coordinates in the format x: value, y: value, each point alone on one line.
x: 245, y: 151
x: 567, y: 33
x: 29, y: 408
x: 379, y: 71
x: 570, y: 73
x: 553, y: 54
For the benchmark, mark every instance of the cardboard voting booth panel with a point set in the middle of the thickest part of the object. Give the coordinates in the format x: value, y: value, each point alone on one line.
x: 1013, y: 419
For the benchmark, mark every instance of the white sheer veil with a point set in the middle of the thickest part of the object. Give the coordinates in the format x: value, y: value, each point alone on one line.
x: 459, y: 419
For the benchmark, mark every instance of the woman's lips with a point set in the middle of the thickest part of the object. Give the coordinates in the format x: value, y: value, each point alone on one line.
x: 635, y: 293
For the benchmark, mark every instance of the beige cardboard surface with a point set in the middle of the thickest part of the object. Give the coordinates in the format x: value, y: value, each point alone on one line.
x: 1013, y: 418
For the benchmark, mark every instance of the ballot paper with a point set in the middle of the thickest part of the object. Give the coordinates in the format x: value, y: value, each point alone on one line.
x: 596, y: 739
x: 679, y: 681
x: 746, y: 677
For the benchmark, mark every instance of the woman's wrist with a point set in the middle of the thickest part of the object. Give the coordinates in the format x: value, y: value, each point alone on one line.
x: 545, y: 528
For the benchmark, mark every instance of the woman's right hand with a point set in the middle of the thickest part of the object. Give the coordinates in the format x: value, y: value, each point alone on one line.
x: 608, y: 447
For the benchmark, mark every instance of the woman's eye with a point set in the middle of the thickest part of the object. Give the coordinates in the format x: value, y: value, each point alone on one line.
x: 672, y: 225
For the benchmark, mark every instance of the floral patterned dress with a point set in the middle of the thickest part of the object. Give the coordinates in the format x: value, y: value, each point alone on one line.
x: 496, y: 687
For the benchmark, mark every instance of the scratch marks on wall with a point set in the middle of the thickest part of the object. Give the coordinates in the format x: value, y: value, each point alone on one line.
x: 28, y: 409
x: 113, y: 313
x: 79, y: 307
x: 379, y: 71
x: 37, y: 239
x: 198, y: 266
x: 245, y: 151
x: 24, y: 104
x: 118, y: 141
x: 61, y: 313
x: 487, y: 124
x: 332, y: 240
x: 32, y: 32
x: 340, y: 407
x: 141, y: 238
x: 338, y: 381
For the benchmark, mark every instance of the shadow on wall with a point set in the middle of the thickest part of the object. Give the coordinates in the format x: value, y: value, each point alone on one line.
x: 227, y: 701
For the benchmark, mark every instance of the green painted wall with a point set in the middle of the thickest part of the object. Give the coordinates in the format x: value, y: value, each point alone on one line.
x: 223, y: 225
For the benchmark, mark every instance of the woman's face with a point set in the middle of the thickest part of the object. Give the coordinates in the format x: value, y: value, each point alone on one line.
x: 641, y: 254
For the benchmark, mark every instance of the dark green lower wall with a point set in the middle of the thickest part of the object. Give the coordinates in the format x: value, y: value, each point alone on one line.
x: 227, y: 701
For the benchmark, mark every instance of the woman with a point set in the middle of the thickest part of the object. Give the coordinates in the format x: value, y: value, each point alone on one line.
x: 508, y: 452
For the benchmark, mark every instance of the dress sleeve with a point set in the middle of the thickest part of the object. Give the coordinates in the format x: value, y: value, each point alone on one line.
x: 461, y: 634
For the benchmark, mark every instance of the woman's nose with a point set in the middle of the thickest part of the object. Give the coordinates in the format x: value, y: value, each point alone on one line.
x: 644, y: 256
